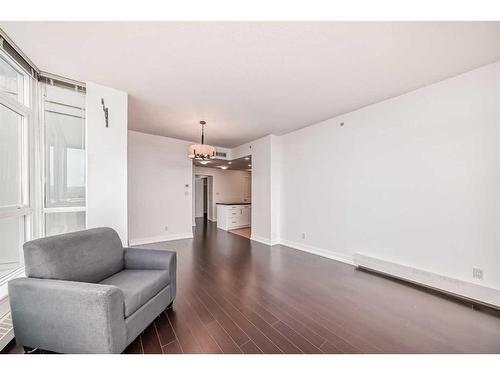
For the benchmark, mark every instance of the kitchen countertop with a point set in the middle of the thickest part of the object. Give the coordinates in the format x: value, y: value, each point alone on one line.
x: 234, y: 204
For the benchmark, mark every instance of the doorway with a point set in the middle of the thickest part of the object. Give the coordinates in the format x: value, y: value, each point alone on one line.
x: 222, y: 193
x: 203, y: 197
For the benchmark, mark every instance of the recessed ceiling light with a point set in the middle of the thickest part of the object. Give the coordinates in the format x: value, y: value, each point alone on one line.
x: 250, y: 165
x: 247, y: 158
x: 229, y: 162
x: 223, y: 166
x: 204, y: 162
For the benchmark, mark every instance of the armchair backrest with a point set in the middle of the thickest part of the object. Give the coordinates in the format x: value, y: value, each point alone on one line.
x: 88, y: 256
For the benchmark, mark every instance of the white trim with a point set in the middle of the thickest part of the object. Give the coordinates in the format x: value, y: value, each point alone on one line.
x: 15, y: 212
x: 4, y: 306
x: 26, y: 110
x: 14, y: 105
x: 51, y: 210
x: 166, y: 237
x: 318, y: 251
x: 27, y: 77
x: 449, y: 285
x: 4, y: 35
x: 263, y: 240
x: 236, y: 227
x: 56, y: 77
x: 18, y: 272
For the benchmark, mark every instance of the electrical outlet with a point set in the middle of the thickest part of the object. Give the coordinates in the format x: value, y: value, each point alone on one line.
x: 166, y: 228
x: 477, y: 273
x: 303, y: 236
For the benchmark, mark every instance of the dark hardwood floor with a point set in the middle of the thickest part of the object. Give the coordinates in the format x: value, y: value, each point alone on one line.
x: 239, y: 296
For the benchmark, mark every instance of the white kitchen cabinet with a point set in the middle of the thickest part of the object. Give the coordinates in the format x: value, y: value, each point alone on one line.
x: 233, y: 216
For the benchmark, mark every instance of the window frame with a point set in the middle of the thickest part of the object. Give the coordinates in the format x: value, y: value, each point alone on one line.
x: 44, y: 209
x: 26, y: 208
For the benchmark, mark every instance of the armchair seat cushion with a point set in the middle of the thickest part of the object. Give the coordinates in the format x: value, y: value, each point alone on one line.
x: 138, y: 286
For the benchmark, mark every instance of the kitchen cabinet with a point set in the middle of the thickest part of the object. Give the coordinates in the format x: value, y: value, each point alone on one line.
x: 233, y: 216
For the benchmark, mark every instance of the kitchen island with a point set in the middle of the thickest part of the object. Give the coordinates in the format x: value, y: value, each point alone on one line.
x: 233, y: 215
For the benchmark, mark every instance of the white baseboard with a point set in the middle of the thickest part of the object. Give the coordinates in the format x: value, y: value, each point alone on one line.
x: 162, y: 238
x: 449, y: 285
x: 263, y: 240
x: 318, y: 251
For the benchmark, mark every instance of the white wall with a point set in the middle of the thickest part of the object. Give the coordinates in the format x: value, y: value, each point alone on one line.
x: 228, y: 186
x: 275, y: 188
x: 106, y: 163
x: 414, y: 180
x: 159, y: 171
x: 265, y: 153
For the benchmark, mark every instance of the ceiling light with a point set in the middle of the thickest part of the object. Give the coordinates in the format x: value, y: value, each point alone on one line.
x: 223, y: 166
x: 204, y: 162
x: 201, y: 151
x: 250, y: 165
x: 247, y: 158
x: 229, y: 162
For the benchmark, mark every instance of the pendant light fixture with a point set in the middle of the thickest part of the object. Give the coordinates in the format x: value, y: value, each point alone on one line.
x: 201, y: 151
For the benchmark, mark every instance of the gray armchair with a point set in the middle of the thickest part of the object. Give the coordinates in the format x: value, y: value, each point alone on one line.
x: 85, y: 293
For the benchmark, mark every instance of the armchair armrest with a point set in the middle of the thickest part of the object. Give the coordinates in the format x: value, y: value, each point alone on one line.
x: 147, y: 259
x: 67, y: 316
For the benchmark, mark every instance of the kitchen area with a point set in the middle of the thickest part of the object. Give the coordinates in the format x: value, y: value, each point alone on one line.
x: 223, y: 194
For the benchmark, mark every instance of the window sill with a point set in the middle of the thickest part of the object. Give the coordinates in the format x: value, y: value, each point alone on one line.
x: 18, y: 272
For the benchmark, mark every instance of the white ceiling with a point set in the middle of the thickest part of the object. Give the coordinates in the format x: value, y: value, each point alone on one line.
x: 249, y: 79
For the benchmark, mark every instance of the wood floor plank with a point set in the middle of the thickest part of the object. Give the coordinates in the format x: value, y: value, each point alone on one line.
x: 250, y: 348
x: 260, y: 339
x: 276, y: 311
x: 207, y: 343
x: 329, y: 348
x: 164, y: 329
x: 204, y: 315
x: 253, y: 314
x: 151, y: 341
x: 236, y: 333
x: 297, y: 326
x: 185, y: 337
x: 135, y: 347
x: 225, y: 341
x: 274, y: 335
x: 248, y: 303
x: 172, y: 348
x: 302, y: 343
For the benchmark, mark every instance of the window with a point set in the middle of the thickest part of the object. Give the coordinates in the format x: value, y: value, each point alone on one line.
x: 38, y: 198
x: 11, y: 145
x: 11, y: 81
x: 15, y: 212
x: 64, y: 155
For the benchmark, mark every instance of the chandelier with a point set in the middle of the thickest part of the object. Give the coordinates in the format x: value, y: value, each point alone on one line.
x: 201, y: 151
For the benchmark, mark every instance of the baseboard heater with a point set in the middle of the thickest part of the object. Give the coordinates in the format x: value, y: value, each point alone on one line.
x: 458, y: 288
